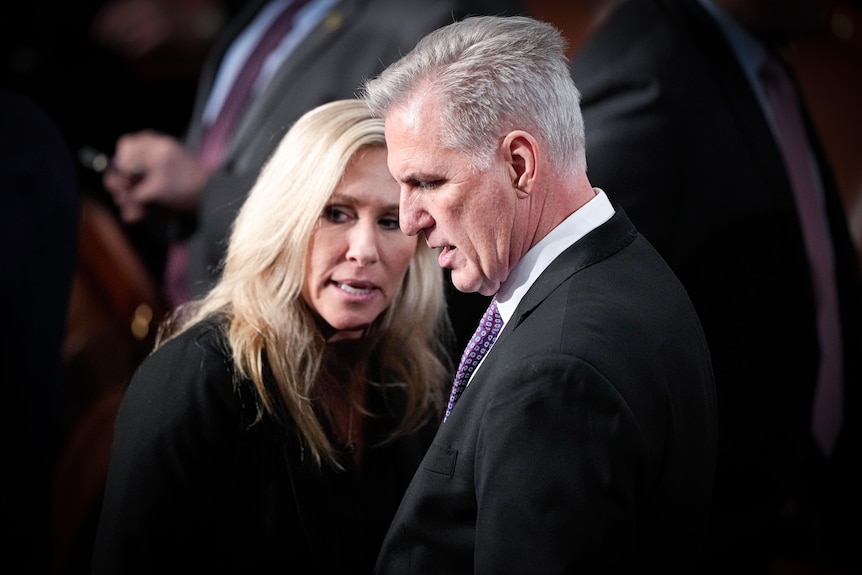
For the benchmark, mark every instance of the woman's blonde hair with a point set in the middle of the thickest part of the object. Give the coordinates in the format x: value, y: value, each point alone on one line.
x: 269, y: 327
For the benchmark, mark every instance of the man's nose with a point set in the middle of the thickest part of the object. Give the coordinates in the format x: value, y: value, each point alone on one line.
x: 411, y: 216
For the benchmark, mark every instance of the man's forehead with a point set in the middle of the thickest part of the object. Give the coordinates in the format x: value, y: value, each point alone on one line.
x: 405, y: 162
x: 408, y: 118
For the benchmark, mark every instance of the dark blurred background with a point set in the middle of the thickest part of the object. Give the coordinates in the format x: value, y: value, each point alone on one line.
x: 98, y: 80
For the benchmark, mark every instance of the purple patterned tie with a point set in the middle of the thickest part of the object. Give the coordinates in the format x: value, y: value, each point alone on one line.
x: 783, y: 98
x: 478, y: 345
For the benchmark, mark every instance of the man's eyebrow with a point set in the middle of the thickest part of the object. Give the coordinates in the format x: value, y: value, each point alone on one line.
x: 411, y: 177
x: 419, y: 177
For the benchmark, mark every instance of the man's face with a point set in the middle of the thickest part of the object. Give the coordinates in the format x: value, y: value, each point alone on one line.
x: 469, y: 214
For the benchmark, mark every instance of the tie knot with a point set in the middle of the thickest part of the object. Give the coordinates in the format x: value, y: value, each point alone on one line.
x: 491, y: 318
x: 487, y: 330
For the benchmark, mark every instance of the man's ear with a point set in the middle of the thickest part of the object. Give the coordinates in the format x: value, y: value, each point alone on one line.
x: 520, y: 151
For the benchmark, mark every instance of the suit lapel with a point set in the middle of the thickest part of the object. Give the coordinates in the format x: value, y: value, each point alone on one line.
x: 604, y: 241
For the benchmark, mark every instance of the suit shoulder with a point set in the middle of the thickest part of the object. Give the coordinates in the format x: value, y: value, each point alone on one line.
x: 194, y: 367
x: 639, y: 39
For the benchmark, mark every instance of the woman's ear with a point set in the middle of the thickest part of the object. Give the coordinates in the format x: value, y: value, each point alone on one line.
x: 520, y: 151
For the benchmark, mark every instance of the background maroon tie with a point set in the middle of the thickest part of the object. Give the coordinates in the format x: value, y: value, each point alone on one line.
x: 783, y: 98
x: 217, y: 136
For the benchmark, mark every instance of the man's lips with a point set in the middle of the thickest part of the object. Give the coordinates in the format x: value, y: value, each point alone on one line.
x: 445, y: 259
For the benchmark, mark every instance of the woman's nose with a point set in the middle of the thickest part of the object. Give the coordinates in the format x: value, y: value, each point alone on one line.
x: 363, y: 245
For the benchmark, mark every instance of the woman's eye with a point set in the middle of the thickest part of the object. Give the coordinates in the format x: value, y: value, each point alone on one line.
x: 390, y: 223
x: 336, y: 215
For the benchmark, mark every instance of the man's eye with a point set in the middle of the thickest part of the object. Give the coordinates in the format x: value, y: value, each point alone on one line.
x: 428, y: 185
x: 425, y: 184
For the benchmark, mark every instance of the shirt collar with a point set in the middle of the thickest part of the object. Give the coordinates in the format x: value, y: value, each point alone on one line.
x: 588, y: 217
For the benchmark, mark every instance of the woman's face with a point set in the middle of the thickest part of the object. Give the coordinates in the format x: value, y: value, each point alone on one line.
x: 358, y: 255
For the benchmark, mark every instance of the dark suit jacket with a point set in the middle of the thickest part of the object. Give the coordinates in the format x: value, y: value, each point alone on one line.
x: 354, y: 42
x: 586, y: 439
x: 676, y: 136
x: 193, y: 487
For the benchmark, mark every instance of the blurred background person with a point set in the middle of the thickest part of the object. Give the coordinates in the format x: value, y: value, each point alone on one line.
x: 101, y: 68
x: 753, y: 224
x: 173, y: 33
x: 39, y: 227
x: 93, y: 89
x: 129, y: 63
x: 276, y: 426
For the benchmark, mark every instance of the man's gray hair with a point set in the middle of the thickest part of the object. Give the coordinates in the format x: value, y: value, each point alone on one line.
x: 491, y: 75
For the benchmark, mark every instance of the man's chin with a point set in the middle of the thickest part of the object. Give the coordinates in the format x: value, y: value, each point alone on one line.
x: 470, y: 284
x: 460, y: 282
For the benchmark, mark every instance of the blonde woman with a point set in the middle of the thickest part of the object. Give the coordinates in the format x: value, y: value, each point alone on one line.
x: 280, y: 418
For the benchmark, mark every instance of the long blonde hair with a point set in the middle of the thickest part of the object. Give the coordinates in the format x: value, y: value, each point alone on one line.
x: 258, y: 301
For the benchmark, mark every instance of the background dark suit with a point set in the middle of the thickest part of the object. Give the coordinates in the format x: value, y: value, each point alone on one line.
x: 704, y: 181
x: 586, y: 438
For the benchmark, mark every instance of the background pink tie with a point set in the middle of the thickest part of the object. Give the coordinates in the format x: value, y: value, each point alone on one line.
x: 217, y: 136
x: 783, y: 98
